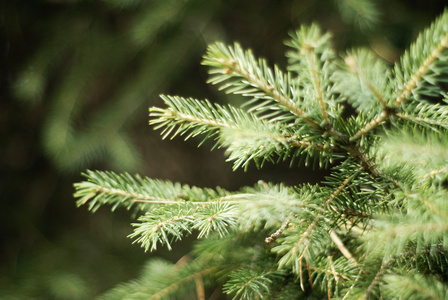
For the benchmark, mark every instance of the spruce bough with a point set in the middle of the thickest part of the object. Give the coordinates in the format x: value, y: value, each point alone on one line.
x: 376, y: 228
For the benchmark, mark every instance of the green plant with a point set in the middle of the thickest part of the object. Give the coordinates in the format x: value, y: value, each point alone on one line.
x: 375, y: 228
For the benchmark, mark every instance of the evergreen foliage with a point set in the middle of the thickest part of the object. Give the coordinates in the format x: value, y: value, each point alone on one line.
x: 376, y: 228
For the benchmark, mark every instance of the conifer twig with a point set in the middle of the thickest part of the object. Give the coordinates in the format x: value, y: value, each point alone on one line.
x: 371, y: 125
x: 334, y: 273
x: 325, y: 271
x: 342, y: 247
x: 361, y: 270
x: 306, y: 144
x: 407, y: 90
x: 126, y: 195
x: 417, y: 76
x: 233, y: 66
x: 199, y: 287
x: 416, y: 119
x: 353, y: 67
x: 433, y: 173
x: 308, y: 231
x: 325, y: 206
x: 276, y: 234
x: 376, y: 279
x: 365, y: 162
x: 225, y: 199
x: 191, y: 119
x: 312, y: 67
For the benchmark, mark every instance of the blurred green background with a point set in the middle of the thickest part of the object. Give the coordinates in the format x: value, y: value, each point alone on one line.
x: 77, y: 78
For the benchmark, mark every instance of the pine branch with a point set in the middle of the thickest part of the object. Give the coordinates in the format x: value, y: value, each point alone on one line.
x: 338, y: 242
x: 332, y: 273
x: 196, y: 117
x: 297, y: 251
x: 431, y: 46
x: 173, y: 222
x: 423, y: 224
x: 388, y: 275
x: 432, y: 116
x: 415, y: 69
x: 249, y: 283
x: 233, y: 62
x: 231, y: 199
x: 124, y: 190
x: 162, y: 225
x: 272, y: 205
x: 311, y: 58
x: 378, y: 275
x: 252, y: 144
x: 354, y: 289
x: 362, y: 79
x: 279, y: 231
x: 426, y: 151
x: 246, y: 137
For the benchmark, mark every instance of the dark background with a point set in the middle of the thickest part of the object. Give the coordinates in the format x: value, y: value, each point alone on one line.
x: 94, y: 56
